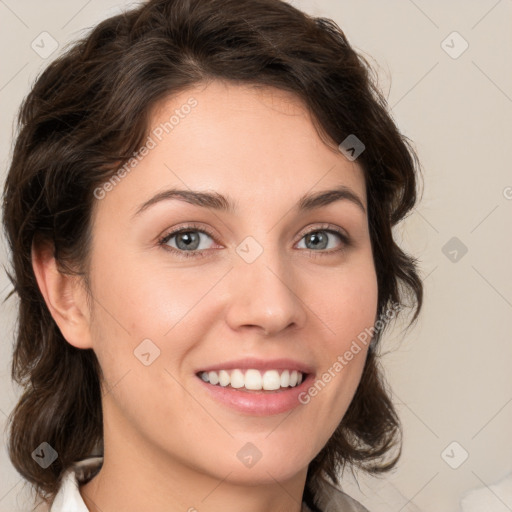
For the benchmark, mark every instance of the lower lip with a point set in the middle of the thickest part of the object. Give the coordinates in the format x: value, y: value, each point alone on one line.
x: 258, y: 403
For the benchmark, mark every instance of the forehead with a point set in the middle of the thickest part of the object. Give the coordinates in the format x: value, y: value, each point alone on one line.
x: 251, y: 143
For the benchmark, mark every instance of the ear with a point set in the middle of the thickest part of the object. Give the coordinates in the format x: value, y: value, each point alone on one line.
x: 65, y: 296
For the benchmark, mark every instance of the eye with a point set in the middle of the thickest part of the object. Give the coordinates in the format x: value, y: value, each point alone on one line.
x: 188, y: 241
x: 319, y: 239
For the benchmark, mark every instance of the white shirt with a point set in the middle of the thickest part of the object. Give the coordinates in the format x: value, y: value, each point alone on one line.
x: 68, y: 498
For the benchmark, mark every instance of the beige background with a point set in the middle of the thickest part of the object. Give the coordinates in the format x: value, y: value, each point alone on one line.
x: 451, y: 374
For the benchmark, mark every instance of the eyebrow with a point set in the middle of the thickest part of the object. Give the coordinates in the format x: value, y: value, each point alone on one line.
x: 219, y: 202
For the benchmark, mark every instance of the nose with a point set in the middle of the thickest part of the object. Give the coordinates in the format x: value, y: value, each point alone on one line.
x: 265, y: 295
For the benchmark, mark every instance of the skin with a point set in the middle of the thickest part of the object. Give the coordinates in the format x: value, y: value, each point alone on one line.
x: 168, y: 445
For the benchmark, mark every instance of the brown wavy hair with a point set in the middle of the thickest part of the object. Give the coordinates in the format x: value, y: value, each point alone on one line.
x: 89, y: 110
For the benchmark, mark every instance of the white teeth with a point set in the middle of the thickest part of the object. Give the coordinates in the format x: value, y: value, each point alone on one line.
x: 271, y: 380
x: 237, y: 379
x: 224, y: 379
x: 254, y: 380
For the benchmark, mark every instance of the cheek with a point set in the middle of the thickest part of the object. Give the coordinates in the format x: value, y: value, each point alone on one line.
x: 353, y: 325
x: 347, y: 302
x: 141, y: 300
x: 141, y: 309
x: 347, y: 308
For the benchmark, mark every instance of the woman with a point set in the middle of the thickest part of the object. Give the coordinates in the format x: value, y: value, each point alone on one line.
x: 200, y: 209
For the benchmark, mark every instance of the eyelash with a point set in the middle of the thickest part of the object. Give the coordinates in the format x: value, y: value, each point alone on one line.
x: 202, y: 253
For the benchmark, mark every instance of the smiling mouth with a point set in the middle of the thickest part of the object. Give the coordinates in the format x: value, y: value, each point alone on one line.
x: 254, y: 380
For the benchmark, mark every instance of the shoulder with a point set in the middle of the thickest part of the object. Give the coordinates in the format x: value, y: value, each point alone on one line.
x: 68, y: 498
x: 331, y: 499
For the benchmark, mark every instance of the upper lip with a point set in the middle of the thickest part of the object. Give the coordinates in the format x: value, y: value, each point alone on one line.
x: 259, y: 364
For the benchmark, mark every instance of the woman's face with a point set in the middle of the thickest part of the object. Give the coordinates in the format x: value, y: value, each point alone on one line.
x: 266, y: 287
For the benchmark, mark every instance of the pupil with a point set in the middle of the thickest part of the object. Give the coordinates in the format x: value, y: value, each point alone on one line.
x: 317, y: 239
x: 191, y: 237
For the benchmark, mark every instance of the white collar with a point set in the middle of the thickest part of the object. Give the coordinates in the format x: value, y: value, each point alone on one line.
x: 68, y: 499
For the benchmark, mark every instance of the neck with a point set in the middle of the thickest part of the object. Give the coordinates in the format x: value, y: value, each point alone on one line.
x: 184, y: 490
x: 146, y: 478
